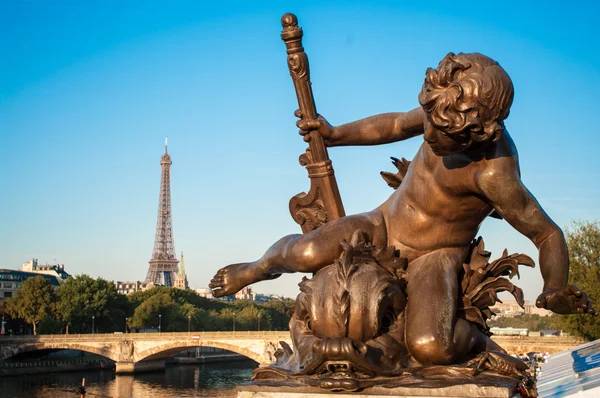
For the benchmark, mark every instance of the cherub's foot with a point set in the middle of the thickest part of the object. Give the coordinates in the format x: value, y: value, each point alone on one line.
x: 499, y: 362
x: 229, y: 280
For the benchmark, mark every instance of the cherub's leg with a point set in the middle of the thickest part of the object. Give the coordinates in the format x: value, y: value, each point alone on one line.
x: 484, y: 343
x: 433, y: 334
x: 300, y: 253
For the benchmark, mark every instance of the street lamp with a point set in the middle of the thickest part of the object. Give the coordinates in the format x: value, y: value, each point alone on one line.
x: 93, y: 317
x: 189, y: 323
x: 126, y: 319
x: 258, y: 328
x: 159, y: 322
x: 234, y: 322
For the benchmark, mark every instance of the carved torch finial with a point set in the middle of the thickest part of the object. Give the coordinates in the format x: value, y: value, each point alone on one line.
x: 289, y: 21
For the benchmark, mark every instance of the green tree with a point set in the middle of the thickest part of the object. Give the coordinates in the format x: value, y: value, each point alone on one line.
x: 218, y: 321
x: 50, y: 325
x: 226, y: 318
x: 534, y: 323
x: 583, y: 241
x: 198, y: 318
x: 247, y: 315
x: 189, y: 309
x: 178, y: 295
x: 280, y: 314
x: 34, y: 302
x: 83, y: 297
x: 161, y: 309
x: 175, y: 305
x: 190, y: 312
x: 202, y: 321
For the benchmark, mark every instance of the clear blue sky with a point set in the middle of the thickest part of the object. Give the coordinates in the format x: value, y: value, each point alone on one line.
x: 88, y: 90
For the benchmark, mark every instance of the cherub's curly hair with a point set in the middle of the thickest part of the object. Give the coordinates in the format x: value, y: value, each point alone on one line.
x: 468, y: 93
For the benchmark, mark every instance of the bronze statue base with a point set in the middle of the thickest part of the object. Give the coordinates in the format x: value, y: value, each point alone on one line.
x: 479, y: 386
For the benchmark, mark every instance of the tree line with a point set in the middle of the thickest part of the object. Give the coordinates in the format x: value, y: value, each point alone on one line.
x: 532, y: 322
x: 583, y: 242
x: 82, y: 304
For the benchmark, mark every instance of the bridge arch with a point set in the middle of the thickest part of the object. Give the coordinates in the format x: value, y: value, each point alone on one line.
x: 171, y: 348
x: 39, y: 346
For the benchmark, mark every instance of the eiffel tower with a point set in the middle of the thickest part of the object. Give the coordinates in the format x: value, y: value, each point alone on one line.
x: 163, y: 265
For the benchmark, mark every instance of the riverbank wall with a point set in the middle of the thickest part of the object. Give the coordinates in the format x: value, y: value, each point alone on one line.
x: 205, y: 359
x: 52, y: 366
x: 73, y: 365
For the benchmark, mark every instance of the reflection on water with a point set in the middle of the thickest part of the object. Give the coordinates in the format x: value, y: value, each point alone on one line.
x: 209, y: 380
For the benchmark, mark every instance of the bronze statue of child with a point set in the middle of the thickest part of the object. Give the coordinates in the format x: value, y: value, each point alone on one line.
x: 466, y: 168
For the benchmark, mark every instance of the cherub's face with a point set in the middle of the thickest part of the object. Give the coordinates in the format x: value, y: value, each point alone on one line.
x: 442, y: 143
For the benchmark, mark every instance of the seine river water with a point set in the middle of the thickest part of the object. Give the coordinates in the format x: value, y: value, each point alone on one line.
x: 207, y: 380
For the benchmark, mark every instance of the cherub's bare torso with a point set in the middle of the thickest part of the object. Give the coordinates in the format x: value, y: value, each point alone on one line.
x: 438, y: 205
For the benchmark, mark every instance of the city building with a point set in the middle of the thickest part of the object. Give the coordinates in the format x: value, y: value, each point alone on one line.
x: 181, y: 282
x: 130, y: 287
x: 511, y: 309
x: 57, y: 270
x: 507, y: 309
x: 163, y: 264
x: 261, y: 298
x: 204, y: 292
x: 11, y: 281
x: 531, y: 309
x: 509, y: 331
x: 245, y: 294
x: 550, y: 332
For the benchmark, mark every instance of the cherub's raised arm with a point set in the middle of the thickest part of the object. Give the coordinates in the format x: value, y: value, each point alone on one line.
x: 373, y: 130
x: 519, y: 208
x: 507, y: 194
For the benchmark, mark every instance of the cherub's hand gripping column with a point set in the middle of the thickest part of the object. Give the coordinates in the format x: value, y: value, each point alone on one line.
x: 322, y: 203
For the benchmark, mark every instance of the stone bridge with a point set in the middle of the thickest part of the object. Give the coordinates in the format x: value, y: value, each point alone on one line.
x: 134, y: 352
x: 551, y: 344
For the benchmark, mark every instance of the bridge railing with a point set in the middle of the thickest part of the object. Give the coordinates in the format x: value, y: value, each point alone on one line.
x: 239, y: 335
x: 149, y: 336
x: 545, y: 339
